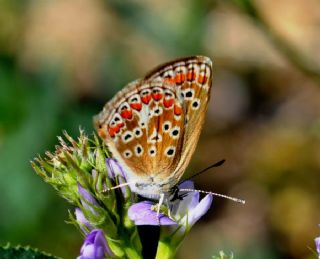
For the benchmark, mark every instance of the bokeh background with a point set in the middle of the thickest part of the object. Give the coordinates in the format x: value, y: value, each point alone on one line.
x: 61, y: 60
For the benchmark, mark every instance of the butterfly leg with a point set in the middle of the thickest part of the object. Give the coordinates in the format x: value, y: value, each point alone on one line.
x: 159, y: 206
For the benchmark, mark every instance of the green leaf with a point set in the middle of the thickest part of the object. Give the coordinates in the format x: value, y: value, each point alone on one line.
x: 9, y: 252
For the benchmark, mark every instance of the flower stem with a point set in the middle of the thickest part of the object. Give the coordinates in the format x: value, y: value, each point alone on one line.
x: 165, y: 250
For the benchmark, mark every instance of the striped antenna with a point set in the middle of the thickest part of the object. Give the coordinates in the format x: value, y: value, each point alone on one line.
x: 116, y: 187
x: 215, y: 194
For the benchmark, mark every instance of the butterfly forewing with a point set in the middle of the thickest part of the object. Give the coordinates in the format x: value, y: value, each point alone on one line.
x: 152, y: 126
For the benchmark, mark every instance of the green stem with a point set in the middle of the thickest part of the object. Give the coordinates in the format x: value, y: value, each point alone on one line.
x: 165, y: 250
x: 132, y: 253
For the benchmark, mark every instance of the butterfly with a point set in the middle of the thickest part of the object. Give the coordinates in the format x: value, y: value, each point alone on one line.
x: 153, y: 124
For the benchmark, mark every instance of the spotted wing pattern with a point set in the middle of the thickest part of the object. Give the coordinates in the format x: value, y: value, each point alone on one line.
x: 152, y: 126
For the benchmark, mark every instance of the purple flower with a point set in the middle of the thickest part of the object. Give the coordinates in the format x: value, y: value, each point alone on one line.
x: 95, y: 246
x: 82, y: 220
x: 317, y: 240
x: 114, y: 170
x: 186, y: 211
x: 142, y: 214
x: 87, y: 199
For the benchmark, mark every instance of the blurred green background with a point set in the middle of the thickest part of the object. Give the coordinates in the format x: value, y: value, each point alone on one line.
x: 61, y: 60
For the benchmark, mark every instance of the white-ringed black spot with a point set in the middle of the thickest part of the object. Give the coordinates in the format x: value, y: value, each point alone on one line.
x: 152, y: 151
x: 138, y: 132
x: 170, y: 151
x: 127, y: 136
x: 127, y: 153
x: 138, y: 150
x: 189, y: 94
x: 157, y: 111
x: 195, y: 104
x: 166, y: 126
x: 175, y: 132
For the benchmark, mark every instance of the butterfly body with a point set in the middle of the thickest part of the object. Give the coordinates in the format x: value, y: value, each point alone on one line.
x: 152, y: 126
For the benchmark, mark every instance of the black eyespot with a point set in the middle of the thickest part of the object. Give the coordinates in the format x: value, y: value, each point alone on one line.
x: 170, y: 152
x: 138, y: 132
x: 175, y: 132
x: 157, y: 111
x: 189, y: 94
x: 116, y: 119
x: 127, y: 154
x: 135, y: 99
x: 139, y: 150
x: 152, y: 151
x: 126, y: 137
x: 195, y: 104
x: 166, y: 126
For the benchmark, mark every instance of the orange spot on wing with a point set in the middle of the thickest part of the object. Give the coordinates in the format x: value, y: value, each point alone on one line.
x: 126, y: 114
x: 168, y: 102
x: 111, y: 131
x: 120, y: 125
x: 177, y: 110
x: 180, y: 78
x: 191, y: 75
x: 136, y: 106
x: 156, y: 96
x: 146, y: 99
x: 169, y: 80
x: 202, y: 79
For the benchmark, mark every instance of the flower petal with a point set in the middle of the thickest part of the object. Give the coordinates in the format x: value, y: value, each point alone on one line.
x: 114, y: 168
x: 188, y: 202
x: 86, y: 195
x: 95, y: 246
x: 142, y: 214
x: 196, y: 213
x: 82, y: 220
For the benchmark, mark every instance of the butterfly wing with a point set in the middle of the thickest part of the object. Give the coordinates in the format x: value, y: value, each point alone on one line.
x: 152, y: 126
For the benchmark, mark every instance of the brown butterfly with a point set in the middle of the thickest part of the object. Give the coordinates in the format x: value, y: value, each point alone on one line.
x: 152, y: 126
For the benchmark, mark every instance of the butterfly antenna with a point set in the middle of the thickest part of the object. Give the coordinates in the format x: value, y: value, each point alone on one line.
x: 217, y: 164
x: 215, y: 194
x: 116, y: 187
